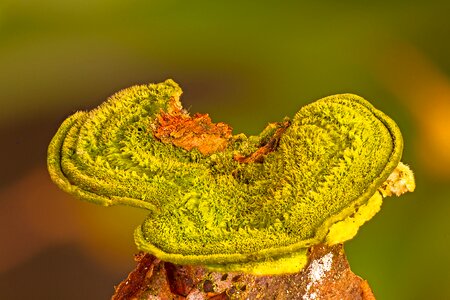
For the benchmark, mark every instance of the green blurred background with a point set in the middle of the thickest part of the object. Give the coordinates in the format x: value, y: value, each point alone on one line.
x: 245, y: 63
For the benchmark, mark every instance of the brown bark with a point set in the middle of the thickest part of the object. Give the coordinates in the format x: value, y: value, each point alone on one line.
x: 326, y: 276
x: 271, y: 145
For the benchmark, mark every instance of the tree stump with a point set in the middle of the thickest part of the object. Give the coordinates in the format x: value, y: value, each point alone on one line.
x: 326, y: 276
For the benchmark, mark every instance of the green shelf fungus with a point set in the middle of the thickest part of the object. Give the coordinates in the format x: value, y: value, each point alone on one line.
x: 232, y: 202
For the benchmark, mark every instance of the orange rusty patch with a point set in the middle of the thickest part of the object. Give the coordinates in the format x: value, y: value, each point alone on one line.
x: 197, y: 132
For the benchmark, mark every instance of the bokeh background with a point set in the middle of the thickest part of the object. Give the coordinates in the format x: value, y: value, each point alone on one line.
x: 245, y: 63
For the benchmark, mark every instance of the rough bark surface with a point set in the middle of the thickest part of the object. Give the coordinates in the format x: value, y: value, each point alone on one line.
x: 326, y: 276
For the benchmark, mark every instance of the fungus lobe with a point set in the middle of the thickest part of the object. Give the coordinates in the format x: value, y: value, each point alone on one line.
x: 241, y: 203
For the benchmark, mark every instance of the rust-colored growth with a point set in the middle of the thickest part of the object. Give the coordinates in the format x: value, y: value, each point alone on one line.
x: 137, y: 281
x: 180, y: 279
x: 197, y: 132
x: 271, y: 145
x: 326, y: 276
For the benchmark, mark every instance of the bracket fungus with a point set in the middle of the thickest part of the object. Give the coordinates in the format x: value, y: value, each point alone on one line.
x: 252, y: 204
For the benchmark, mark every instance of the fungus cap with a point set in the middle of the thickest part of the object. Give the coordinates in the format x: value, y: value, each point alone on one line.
x: 252, y: 204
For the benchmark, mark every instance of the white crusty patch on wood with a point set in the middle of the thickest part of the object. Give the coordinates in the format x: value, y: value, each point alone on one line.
x: 316, y: 271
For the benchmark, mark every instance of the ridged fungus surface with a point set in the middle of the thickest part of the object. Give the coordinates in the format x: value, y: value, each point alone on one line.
x: 231, y: 202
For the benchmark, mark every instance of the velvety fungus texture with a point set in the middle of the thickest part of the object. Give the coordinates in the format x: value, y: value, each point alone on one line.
x: 245, y: 203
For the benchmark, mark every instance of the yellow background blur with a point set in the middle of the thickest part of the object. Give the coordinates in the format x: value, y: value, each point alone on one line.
x: 245, y: 63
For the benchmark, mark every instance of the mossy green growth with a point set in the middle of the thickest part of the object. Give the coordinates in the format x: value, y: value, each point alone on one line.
x: 319, y: 184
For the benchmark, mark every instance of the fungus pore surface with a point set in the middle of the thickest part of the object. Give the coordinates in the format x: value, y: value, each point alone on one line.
x: 246, y: 203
